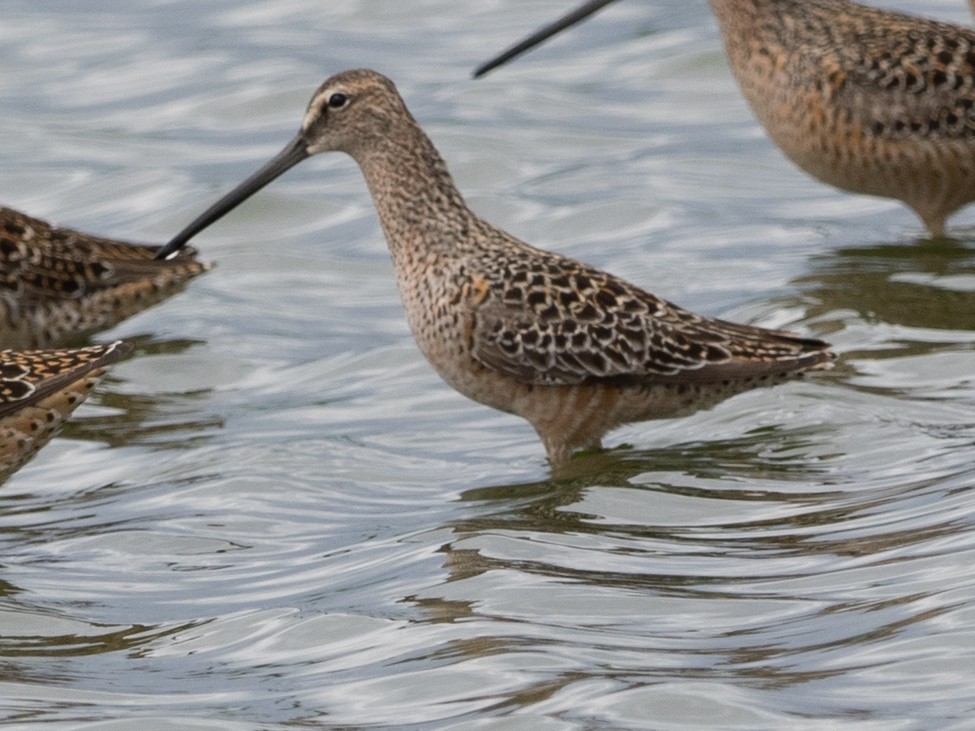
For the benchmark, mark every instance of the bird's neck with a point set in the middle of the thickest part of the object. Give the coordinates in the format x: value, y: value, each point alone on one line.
x: 419, y: 206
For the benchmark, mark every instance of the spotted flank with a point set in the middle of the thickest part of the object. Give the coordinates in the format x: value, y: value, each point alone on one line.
x: 38, y: 391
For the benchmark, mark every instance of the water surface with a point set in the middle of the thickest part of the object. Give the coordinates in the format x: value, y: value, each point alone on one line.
x: 276, y: 516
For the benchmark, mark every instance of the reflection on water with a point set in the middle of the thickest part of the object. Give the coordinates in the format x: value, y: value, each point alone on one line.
x: 131, y: 418
x: 276, y: 516
x: 923, y: 284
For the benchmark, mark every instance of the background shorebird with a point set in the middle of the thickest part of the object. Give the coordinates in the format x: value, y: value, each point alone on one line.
x: 38, y: 391
x: 58, y: 285
x: 868, y: 100
x: 574, y: 350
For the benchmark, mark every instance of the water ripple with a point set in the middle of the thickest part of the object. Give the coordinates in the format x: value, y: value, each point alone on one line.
x: 276, y: 516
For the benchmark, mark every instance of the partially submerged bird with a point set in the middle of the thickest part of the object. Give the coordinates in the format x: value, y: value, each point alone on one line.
x: 868, y: 100
x: 57, y: 284
x: 38, y: 391
x: 574, y: 350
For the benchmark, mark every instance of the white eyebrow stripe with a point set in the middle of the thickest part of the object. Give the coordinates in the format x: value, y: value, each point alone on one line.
x: 313, y: 106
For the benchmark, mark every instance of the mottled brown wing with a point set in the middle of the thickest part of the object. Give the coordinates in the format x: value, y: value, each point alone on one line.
x: 904, y: 76
x: 58, y: 283
x: 559, y: 322
x: 42, y: 262
x: 39, y: 390
x: 27, y: 377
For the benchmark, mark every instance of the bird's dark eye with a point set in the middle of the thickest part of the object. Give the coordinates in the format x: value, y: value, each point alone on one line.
x: 338, y: 100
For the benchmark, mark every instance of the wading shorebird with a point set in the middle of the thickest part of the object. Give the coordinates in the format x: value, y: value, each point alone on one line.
x: 57, y: 284
x: 38, y: 391
x: 574, y: 350
x: 868, y: 100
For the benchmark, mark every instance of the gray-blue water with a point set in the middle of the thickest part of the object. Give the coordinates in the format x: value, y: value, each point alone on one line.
x: 276, y: 516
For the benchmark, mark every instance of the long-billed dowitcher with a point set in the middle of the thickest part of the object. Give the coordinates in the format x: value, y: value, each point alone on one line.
x: 574, y: 350
x: 57, y: 284
x: 38, y: 391
x: 868, y: 100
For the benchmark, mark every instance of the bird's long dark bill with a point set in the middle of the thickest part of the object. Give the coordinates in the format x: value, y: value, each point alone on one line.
x: 291, y: 155
x: 543, y: 34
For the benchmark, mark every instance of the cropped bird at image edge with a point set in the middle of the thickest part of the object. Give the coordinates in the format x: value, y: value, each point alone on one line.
x: 38, y: 391
x: 868, y: 100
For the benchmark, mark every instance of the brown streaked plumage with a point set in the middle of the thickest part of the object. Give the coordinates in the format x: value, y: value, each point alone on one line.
x: 868, y: 100
x: 38, y: 391
x: 57, y: 284
x: 574, y: 350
